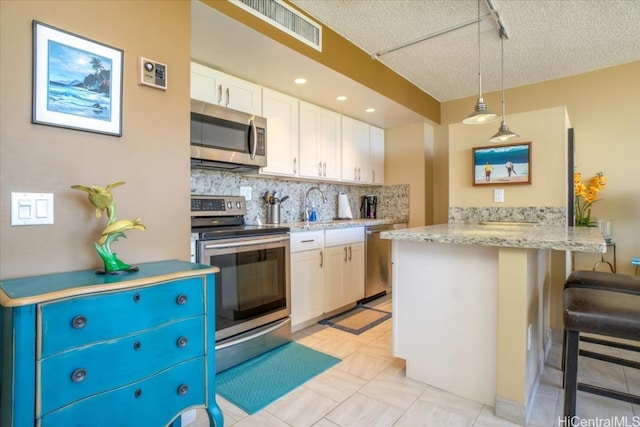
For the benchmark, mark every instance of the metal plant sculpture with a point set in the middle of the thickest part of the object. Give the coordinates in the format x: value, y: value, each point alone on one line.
x: 102, y: 199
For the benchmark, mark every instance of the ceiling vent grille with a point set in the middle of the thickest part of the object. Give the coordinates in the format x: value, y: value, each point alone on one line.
x: 285, y: 18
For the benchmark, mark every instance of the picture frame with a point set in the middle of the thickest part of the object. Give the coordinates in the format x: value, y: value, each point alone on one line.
x: 508, y: 164
x: 77, y: 82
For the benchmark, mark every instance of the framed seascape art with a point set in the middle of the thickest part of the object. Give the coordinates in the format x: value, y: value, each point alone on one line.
x: 502, y: 164
x: 77, y: 82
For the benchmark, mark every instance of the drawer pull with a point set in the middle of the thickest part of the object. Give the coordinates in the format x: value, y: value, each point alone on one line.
x: 136, y: 297
x: 137, y: 345
x: 79, y: 322
x: 137, y: 393
x: 181, y: 300
x: 182, y: 342
x: 183, y: 390
x: 78, y: 375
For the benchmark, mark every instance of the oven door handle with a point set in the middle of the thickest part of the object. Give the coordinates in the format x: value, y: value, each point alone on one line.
x: 246, y: 243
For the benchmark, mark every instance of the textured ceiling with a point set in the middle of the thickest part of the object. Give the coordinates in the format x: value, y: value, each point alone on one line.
x: 547, y: 39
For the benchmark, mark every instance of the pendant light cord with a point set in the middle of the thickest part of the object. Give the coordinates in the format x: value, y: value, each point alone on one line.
x: 479, y: 57
x: 502, y: 36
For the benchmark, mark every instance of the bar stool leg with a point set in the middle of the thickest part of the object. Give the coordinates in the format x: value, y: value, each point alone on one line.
x: 571, y: 374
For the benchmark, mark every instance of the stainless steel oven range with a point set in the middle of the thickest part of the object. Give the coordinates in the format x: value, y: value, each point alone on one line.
x: 253, y: 290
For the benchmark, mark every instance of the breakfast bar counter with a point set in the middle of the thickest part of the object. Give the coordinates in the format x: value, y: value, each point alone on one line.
x: 471, y: 306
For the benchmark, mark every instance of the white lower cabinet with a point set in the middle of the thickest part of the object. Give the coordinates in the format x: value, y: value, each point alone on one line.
x: 344, y: 267
x: 307, y: 276
x: 327, y: 271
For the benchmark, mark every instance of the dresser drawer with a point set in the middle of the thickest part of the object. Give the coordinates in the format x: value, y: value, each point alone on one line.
x: 75, y: 374
x: 151, y: 402
x: 80, y: 321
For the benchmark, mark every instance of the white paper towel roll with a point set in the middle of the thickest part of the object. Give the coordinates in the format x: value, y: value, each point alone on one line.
x: 344, y: 210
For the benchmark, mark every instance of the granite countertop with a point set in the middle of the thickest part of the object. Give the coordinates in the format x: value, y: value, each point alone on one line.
x: 515, y: 235
x: 340, y: 223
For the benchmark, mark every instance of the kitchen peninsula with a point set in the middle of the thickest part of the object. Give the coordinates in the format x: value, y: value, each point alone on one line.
x: 471, y: 305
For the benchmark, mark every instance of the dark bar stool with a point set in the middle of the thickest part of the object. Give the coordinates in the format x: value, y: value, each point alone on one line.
x: 607, y: 282
x: 607, y: 313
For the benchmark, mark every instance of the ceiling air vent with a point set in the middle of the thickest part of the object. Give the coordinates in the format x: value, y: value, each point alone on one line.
x: 285, y: 18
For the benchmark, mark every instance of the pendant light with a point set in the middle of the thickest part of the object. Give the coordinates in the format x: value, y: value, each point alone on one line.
x: 480, y: 112
x: 504, y: 134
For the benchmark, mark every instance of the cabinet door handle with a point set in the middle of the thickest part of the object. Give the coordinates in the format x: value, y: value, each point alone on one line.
x: 373, y: 176
x: 345, y: 254
x: 228, y: 97
x: 182, y: 342
x: 78, y: 375
x: 308, y: 241
x: 321, y: 259
x: 349, y: 253
x: 137, y: 393
x: 324, y: 169
x: 181, y: 300
x: 183, y: 390
x: 319, y: 168
x: 137, y: 345
x: 295, y: 165
x: 136, y: 297
x: 79, y: 322
x: 358, y: 174
x: 355, y: 174
x: 220, y: 94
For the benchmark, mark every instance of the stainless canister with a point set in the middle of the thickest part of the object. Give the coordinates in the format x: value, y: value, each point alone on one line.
x: 273, y: 213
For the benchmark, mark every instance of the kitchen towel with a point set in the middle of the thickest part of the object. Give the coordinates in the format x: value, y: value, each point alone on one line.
x: 344, y: 209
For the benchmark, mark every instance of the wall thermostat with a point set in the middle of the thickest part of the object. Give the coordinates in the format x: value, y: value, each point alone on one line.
x: 152, y: 73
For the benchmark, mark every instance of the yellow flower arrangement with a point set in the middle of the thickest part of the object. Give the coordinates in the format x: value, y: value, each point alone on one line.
x: 586, y: 195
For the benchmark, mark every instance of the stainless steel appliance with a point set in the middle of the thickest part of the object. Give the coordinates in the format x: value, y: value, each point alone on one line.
x: 378, y: 262
x: 226, y: 139
x: 369, y: 207
x: 253, y: 290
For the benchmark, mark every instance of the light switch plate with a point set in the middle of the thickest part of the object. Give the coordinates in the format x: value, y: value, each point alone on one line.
x: 246, y: 192
x: 31, y: 208
x: 498, y: 195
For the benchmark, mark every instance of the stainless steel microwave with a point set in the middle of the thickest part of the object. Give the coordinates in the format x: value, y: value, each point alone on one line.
x: 226, y: 139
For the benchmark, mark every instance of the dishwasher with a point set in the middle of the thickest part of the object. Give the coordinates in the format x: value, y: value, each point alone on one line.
x: 378, y: 262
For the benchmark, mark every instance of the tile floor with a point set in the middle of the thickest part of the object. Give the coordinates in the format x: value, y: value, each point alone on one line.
x: 369, y: 388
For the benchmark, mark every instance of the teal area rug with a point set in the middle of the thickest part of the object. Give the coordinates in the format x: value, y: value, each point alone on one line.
x: 262, y: 380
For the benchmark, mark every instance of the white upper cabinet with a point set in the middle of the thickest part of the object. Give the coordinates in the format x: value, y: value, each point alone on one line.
x: 319, y: 142
x: 281, y: 112
x: 376, y: 155
x: 216, y: 87
x: 355, y: 150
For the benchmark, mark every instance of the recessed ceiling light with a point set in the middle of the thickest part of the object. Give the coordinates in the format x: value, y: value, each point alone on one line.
x: 300, y: 81
x: 341, y: 98
x: 370, y: 110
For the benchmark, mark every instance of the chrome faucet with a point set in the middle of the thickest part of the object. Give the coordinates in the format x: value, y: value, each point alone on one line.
x: 306, y: 201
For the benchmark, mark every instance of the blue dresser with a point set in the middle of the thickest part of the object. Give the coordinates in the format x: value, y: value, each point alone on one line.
x: 81, y: 349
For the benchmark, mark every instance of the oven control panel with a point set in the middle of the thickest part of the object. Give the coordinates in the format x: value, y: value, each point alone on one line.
x: 218, y: 205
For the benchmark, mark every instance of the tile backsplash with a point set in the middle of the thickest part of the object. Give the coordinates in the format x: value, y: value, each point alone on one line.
x: 548, y: 215
x: 393, y: 200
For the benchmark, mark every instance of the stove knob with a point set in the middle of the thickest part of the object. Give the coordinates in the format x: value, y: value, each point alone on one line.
x: 239, y: 205
x: 229, y: 205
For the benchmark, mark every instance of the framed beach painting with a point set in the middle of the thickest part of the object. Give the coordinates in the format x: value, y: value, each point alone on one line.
x: 77, y: 82
x: 502, y: 164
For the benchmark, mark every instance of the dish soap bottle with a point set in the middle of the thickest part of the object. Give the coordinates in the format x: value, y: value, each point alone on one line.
x: 313, y: 216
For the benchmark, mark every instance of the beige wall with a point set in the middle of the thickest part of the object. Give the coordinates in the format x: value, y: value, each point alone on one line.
x: 37, y: 158
x: 604, y: 108
x: 408, y: 160
x: 548, y: 169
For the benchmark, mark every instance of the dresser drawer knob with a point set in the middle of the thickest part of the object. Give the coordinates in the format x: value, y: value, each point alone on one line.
x: 181, y: 300
x: 136, y: 297
x: 183, y: 390
x: 137, y: 345
x: 78, y: 375
x: 79, y: 322
x: 137, y: 393
x: 182, y: 342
